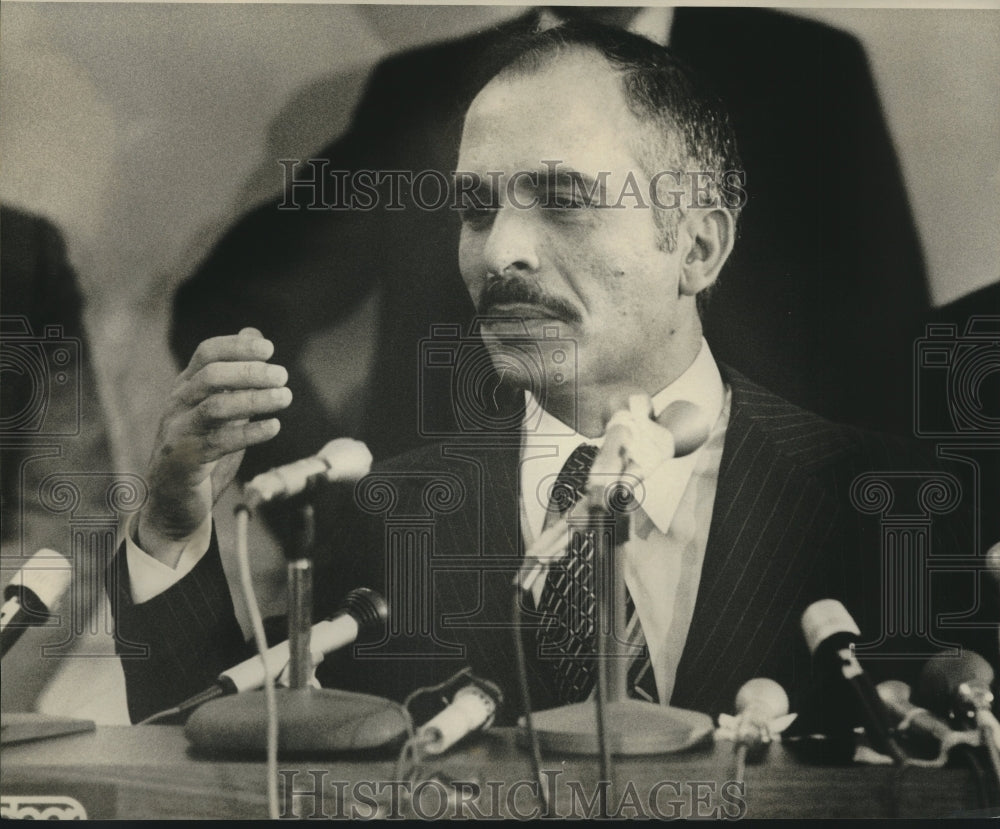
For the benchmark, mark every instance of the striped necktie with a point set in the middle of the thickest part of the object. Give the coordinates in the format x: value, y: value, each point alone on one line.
x: 568, y: 603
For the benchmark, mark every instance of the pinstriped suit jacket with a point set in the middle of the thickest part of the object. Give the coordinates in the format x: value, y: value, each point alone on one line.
x: 441, y: 536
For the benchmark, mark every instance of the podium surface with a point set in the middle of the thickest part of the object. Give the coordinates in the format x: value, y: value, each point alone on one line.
x: 144, y: 772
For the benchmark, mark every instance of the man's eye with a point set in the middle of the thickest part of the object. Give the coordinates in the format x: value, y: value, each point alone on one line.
x: 477, y: 216
x: 566, y: 201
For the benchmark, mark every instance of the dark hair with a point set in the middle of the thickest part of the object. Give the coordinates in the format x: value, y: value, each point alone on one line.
x: 661, y: 91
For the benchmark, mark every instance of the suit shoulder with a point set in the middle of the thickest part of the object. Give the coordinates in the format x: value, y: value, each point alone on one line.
x: 817, y: 444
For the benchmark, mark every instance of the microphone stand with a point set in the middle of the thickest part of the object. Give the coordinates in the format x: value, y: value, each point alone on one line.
x: 631, y: 727
x: 311, y: 721
x: 979, y: 700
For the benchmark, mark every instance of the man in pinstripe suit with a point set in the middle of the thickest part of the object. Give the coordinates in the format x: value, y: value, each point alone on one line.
x: 569, y: 229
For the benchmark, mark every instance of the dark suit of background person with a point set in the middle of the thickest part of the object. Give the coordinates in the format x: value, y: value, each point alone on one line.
x: 49, y: 427
x: 817, y: 304
x: 784, y: 533
x: 957, y: 393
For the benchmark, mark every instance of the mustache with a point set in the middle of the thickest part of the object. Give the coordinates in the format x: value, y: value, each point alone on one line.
x: 516, y: 290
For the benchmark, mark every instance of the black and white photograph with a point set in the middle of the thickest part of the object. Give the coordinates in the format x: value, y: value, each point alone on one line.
x: 499, y: 412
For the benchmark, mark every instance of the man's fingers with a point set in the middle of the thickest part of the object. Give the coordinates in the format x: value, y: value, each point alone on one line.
x: 232, y: 437
x: 236, y: 405
x: 234, y: 376
x: 245, y: 346
x: 193, y: 449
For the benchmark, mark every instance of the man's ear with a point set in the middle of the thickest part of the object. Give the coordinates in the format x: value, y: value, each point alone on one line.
x: 711, y: 233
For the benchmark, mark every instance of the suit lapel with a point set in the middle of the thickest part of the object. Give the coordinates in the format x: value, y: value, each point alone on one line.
x: 481, y: 602
x: 473, y: 599
x: 769, y: 524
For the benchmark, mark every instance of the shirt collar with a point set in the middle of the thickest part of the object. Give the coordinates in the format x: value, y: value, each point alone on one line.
x: 549, y: 442
x: 701, y: 384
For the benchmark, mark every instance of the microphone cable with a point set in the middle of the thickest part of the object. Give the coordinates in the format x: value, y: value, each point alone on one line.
x: 191, y: 702
x: 600, y: 696
x: 260, y: 638
x: 522, y: 681
x: 601, y: 685
x: 215, y: 691
x: 409, y: 753
x: 599, y: 700
x: 418, y: 747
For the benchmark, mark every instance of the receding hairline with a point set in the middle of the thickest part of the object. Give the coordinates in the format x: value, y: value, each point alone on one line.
x: 553, y: 60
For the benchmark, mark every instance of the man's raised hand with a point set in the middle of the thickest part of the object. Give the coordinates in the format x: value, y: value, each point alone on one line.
x: 210, y: 419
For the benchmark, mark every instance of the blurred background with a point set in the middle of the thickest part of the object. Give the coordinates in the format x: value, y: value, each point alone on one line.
x: 141, y: 131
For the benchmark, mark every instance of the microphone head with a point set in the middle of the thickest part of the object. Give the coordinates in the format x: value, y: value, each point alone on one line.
x: 347, y: 459
x: 41, y: 582
x: 824, y: 619
x: 942, y: 677
x: 625, y: 410
x: 761, y: 700
x: 368, y: 608
x: 894, y: 692
x: 629, y: 398
x: 687, y: 423
x: 993, y: 562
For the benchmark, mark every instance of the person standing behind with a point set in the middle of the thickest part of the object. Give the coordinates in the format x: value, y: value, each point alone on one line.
x: 827, y: 221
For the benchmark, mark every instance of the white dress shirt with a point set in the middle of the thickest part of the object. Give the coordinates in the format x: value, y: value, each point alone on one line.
x: 664, y: 554
x: 148, y: 576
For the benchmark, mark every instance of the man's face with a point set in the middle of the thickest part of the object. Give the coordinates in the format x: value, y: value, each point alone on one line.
x: 598, y: 273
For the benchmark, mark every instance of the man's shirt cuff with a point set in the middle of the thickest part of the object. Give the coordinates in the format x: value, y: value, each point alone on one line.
x: 150, y: 577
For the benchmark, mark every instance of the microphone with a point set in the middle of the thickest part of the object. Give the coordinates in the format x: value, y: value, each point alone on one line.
x: 686, y: 422
x: 958, y: 688
x: 761, y: 710
x: 830, y: 633
x: 33, y: 595
x: 761, y: 715
x: 993, y: 565
x: 363, y: 610
x: 343, y: 459
x: 634, y: 445
x: 993, y: 562
x: 919, y: 722
x: 473, y: 708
